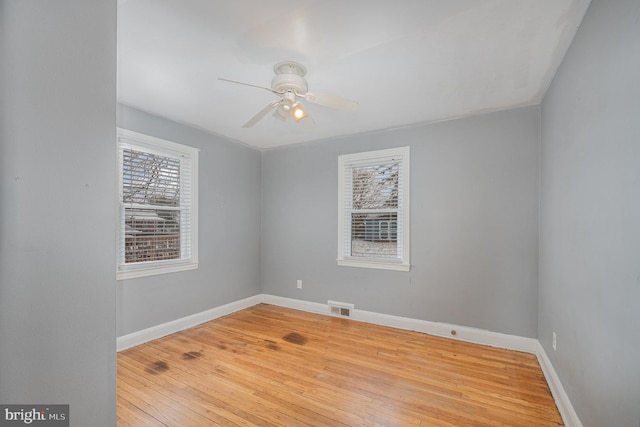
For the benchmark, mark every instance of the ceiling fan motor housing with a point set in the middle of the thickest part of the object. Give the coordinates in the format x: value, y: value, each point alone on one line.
x: 289, y: 76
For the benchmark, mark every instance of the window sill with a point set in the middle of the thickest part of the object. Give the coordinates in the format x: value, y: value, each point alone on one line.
x: 152, y: 271
x: 374, y: 264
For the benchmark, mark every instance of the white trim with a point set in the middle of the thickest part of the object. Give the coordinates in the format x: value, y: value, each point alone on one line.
x: 374, y: 264
x: 366, y: 157
x: 183, y: 153
x: 463, y: 333
x: 296, y: 304
x: 150, y: 271
x: 152, y: 143
x: 136, y: 338
x: 404, y: 231
x: 569, y: 415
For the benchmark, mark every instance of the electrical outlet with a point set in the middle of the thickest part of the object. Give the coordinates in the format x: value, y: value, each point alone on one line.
x: 299, y: 284
x: 554, y: 342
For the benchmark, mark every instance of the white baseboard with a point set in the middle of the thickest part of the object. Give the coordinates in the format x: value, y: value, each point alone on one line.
x: 296, y: 304
x: 569, y: 415
x: 140, y: 337
x: 463, y: 333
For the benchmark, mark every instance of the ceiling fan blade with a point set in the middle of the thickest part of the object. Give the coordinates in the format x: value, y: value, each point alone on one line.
x: 255, y: 119
x: 249, y: 84
x: 331, y: 101
x: 307, y: 123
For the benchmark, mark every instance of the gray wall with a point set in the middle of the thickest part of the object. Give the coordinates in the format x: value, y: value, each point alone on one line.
x: 229, y: 231
x: 474, y: 224
x: 57, y: 186
x: 590, y: 208
x: 474, y: 217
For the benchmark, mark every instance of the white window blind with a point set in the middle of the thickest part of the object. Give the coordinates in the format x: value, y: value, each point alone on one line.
x: 374, y: 209
x: 158, y: 227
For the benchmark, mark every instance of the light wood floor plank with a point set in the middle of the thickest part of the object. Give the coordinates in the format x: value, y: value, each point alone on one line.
x: 272, y: 366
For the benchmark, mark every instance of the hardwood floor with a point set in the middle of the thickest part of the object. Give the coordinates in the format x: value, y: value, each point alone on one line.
x: 269, y: 365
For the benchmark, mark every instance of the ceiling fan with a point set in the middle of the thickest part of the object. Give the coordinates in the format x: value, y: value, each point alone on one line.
x: 290, y: 85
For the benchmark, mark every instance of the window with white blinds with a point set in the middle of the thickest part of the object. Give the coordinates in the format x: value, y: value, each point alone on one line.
x: 373, y: 209
x: 157, y: 204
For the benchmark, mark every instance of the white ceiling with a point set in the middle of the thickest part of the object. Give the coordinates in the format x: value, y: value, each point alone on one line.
x: 404, y: 61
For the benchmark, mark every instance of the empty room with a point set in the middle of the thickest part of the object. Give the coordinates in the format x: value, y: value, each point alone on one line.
x: 320, y: 213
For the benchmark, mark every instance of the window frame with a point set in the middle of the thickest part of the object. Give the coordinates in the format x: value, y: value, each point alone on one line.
x: 346, y: 160
x: 127, y: 139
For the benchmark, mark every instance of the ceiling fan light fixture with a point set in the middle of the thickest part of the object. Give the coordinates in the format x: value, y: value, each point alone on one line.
x: 289, y: 84
x: 282, y: 112
x: 298, y: 112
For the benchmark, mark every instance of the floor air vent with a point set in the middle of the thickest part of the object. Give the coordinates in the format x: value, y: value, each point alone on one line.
x: 342, y: 309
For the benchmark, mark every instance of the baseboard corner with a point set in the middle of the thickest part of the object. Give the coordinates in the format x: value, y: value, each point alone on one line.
x: 569, y: 415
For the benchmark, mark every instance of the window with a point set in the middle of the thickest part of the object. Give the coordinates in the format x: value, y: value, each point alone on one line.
x: 373, y: 209
x: 158, y: 193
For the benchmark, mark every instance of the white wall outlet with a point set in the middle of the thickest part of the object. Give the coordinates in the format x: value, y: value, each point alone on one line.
x: 299, y: 284
x: 554, y: 342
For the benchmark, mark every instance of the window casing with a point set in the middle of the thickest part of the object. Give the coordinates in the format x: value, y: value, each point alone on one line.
x: 158, y: 211
x: 373, y: 209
